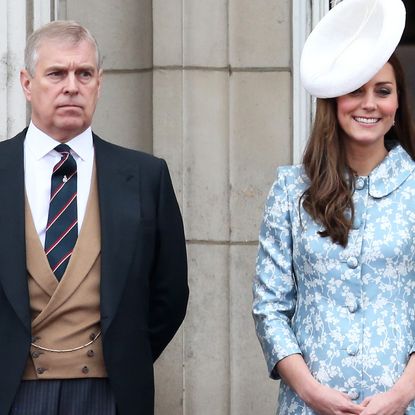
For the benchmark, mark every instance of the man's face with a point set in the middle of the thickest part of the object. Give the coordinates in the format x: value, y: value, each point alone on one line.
x: 64, y: 89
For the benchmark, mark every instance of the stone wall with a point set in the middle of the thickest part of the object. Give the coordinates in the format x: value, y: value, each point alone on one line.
x: 206, y: 84
x: 222, y: 119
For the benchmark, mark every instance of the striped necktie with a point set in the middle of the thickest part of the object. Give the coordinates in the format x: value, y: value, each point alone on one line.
x: 62, y: 226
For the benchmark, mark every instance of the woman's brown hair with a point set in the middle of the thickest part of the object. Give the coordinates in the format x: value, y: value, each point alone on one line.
x: 329, y: 197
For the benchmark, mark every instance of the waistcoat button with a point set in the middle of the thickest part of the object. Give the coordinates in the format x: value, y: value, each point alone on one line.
x: 90, y: 353
x: 35, y: 354
x: 85, y: 370
x: 40, y: 370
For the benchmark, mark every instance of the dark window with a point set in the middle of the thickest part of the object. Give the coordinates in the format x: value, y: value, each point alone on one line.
x: 406, y: 49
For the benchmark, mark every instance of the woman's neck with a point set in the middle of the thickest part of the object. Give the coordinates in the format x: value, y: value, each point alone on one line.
x: 362, y: 159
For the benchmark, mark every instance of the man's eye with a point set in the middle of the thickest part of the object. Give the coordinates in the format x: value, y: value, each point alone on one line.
x: 85, y: 74
x: 55, y: 74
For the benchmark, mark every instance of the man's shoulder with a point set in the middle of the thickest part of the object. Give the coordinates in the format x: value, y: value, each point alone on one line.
x: 16, y: 140
x: 12, y: 147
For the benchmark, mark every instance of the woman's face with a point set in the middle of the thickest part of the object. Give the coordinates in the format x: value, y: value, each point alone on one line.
x: 368, y: 113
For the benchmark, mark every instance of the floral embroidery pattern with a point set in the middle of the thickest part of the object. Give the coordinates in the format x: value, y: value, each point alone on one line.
x: 349, y: 311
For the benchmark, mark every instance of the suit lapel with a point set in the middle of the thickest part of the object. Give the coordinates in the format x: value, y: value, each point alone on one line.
x: 37, y: 263
x: 120, y: 213
x: 13, y: 277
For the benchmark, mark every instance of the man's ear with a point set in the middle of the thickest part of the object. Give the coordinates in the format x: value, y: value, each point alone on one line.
x: 26, y: 82
x: 100, y: 76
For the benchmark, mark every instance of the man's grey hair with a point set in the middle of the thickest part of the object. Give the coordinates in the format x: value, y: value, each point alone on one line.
x: 59, y: 30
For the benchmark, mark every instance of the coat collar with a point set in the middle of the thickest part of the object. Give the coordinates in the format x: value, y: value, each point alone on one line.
x: 13, y: 277
x: 394, y: 169
x: 120, y: 204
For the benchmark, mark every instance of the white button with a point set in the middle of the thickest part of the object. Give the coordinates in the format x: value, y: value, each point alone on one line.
x: 352, y: 307
x: 360, y: 183
x: 353, y: 394
x: 352, y: 262
x: 352, y: 350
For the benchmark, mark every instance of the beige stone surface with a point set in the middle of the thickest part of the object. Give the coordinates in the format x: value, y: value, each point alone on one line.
x: 123, y: 29
x: 169, y: 378
x: 260, y: 33
x: 124, y: 112
x: 168, y: 123
x: 168, y: 144
x: 260, y: 140
x: 205, y: 155
x: 13, y: 117
x: 206, y: 328
x: 167, y: 32
x: 222, y: 136
x: 252, y: 392
x: 205, y: 33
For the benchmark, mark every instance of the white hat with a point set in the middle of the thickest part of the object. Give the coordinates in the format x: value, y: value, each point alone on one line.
x: 350, y: 45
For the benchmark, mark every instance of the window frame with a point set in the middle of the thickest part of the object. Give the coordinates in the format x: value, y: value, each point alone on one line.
x: 305, y: 16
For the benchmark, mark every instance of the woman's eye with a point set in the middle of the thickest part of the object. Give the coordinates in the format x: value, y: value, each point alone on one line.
x: 356, y: 92
x: 384, y: 91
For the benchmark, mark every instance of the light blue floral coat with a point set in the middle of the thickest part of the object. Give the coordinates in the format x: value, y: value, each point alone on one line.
x: 350, y: 312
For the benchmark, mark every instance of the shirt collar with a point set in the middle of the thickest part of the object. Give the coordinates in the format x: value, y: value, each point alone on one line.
x: 394, y: 169
x: 40, y: 144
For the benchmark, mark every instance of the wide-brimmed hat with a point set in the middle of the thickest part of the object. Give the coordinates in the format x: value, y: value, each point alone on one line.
x: 350, y: 45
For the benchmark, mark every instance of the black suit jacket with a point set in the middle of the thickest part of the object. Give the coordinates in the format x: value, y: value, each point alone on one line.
x: 143, y: 270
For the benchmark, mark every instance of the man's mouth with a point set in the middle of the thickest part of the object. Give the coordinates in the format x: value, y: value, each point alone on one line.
x: 69, y: 106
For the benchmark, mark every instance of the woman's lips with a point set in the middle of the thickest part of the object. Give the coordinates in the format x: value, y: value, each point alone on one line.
x: 367, y: 120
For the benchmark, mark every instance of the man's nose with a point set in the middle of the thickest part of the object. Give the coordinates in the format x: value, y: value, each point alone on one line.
x: 71, y: 85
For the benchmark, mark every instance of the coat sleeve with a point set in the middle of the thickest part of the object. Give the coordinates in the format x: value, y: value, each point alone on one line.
x: 168, y: 285
x: 274, y: 288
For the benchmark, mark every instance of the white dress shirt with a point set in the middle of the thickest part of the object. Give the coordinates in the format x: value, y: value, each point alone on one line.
x: 39, y: 160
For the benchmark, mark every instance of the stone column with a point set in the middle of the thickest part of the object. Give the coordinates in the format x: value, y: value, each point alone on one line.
x: 221, y: 108
x: 12, y: 44
x: 260, y: 140
x: 191, y: 130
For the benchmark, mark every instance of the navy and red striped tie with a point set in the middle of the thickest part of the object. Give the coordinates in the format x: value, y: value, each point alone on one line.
x: 62, y: 227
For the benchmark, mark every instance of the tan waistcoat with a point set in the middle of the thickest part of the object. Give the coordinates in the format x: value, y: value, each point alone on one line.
x: 65, y: 314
